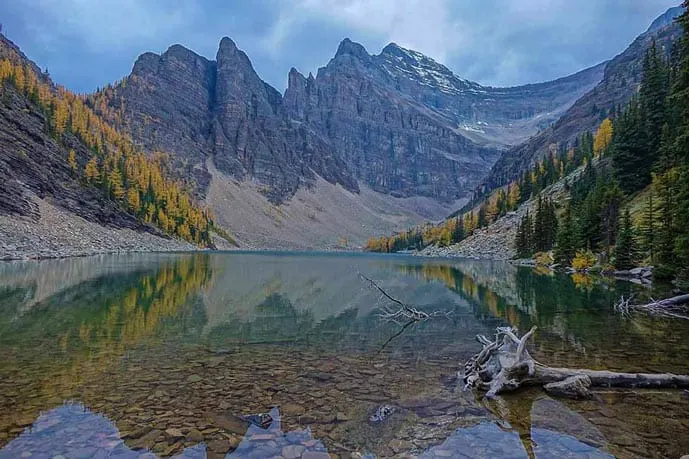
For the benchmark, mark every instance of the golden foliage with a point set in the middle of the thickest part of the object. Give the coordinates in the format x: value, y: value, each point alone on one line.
x: 116, y: 165
x: 583, y: 260
x: 72, y: 160
x: 91, y: 170
x: 543, y: 258
x: 603, y: 137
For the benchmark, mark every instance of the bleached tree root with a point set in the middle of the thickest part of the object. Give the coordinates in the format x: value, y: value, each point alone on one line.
x: 505, y: 365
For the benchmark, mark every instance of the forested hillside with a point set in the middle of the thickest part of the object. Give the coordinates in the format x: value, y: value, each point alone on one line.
x: 627, y: 186
x: 95, y: 157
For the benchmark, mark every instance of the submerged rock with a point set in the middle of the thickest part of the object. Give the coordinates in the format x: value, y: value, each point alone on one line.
x: 382, y: 413
x: 572, y: 387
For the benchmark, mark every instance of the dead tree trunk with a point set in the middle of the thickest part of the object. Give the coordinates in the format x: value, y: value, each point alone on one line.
x: 504, y: 365
x: 676, y: 307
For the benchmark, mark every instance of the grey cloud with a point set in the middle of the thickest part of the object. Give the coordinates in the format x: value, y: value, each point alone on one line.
x: 496, y: 42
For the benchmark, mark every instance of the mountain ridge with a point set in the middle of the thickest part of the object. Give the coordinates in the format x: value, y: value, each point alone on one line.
x: 395, y: 130
x: 620, y: 81
x: 201, y: 135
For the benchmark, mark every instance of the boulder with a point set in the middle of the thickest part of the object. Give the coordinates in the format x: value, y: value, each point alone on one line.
x: 572, y: 387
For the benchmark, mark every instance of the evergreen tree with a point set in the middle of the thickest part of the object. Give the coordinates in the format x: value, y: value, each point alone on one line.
x: 681, y: 242
x: 526, y: 187
x: 482, y: 221
x: 610, y: 214
x: 631, y: 159
x: 648, y: 230
x: 679, y: 100
x: 652, y: 95
x: 665, y: 245
x: 679, y: 97
x: 625, y: 249
x: 458, y: 233
x: 545, y: 226
x: 524, y: 240
x: 539, y: 226
x: 565, y: 250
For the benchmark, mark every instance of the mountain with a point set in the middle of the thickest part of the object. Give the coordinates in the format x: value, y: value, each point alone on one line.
x: 666, y: 19
x: 33, y: 165
x: 620, y: 81
x: 394, y: 138
x: 407, y: 126
x: 398, y: 122
x: 47, y: 206
x: 196, y: 109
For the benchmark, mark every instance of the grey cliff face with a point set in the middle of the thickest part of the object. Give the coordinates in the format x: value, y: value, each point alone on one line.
x: 621, y: 80
x: 407, y: 126
x: 399, y: 122
x: 166, y: 102
x: 393, y: 145
x: 247, y: 125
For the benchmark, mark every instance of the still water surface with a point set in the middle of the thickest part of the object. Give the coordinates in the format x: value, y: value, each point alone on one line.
x: 165, y: 355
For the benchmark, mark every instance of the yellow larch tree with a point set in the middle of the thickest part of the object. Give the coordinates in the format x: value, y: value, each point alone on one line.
x: 19, y: 77
x: 115, y: 184
x: 72, y: 160
x: 133, y: 200
x: 91, y: 171
x: 513, y: 195
x: 603, y: 137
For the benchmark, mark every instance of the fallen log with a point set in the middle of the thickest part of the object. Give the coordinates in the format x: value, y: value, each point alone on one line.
x: 505, y: 365
x: 676, y: 307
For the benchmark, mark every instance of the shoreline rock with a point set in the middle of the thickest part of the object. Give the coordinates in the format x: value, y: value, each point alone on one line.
x: 59, y: 233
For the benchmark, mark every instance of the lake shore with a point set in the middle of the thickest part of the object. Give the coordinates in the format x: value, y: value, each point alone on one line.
x: 61, y: 234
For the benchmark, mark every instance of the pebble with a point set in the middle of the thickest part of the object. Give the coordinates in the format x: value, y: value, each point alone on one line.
x: 195, y: 436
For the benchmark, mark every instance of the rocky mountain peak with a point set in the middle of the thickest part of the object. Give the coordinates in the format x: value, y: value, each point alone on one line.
x: 146, y: 63
x: 176, y: 55
x: 666, y: 19
x: 351, y: 48
x: 393, y: 49
x: 180, y: 52
x: 227, y: 45
x: 413, y: 65
x: 230, y: 56
x: 295, y: 78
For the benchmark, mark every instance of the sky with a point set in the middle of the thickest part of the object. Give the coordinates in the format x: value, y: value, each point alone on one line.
x: 86, y: 44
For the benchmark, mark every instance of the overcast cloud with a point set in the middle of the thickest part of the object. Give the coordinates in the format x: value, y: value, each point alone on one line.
x: 88, y: 43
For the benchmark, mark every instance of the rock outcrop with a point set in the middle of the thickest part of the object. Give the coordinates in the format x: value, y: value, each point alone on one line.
x: 398, y: 122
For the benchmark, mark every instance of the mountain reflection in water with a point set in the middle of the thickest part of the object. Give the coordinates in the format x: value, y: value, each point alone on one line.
x: 172, y: 348
x: 73, y: 431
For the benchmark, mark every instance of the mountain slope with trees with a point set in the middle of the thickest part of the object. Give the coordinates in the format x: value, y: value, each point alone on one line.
x: 620, y: 82
x: 622, y: 194
x: 56, y: 149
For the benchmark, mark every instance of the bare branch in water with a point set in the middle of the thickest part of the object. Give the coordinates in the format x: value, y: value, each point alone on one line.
x: 405, y: 312
x: 676, y: 307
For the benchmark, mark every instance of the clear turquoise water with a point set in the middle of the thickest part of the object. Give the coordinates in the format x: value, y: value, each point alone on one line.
x: 161, y: 354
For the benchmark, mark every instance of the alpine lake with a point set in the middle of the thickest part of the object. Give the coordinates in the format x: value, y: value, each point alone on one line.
x: 286, y: 355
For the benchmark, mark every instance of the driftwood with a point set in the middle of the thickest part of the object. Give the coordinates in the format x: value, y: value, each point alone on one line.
x: 676, y: 307
x: 505, y: 365
x: 401, y: 311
